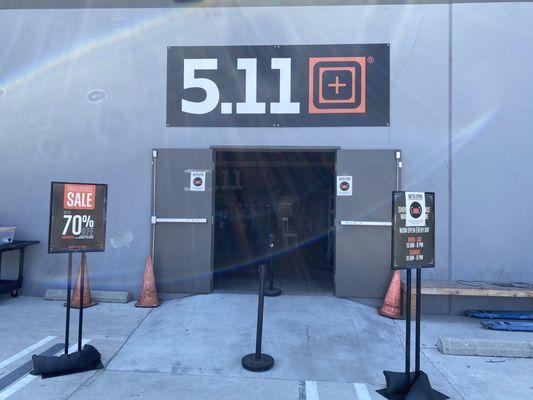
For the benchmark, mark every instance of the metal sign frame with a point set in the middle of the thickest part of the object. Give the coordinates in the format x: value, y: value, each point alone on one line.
x: 396, y: 195
x: 104, y: 219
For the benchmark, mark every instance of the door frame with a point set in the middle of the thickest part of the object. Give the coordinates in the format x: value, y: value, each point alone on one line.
x: 292, y: 149
x: 231, y: 148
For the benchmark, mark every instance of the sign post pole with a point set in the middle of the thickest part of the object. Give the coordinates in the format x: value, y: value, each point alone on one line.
x: 69, y: 288
x: 82, y: 288
x: 408, y: 328
x: 418, y: 311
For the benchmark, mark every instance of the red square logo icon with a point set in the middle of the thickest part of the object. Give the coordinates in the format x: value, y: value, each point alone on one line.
x: 337, y: 85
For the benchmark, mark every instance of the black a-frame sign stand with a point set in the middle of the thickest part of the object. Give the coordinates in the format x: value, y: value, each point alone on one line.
x: 77, y: 225
x: 413, y: 247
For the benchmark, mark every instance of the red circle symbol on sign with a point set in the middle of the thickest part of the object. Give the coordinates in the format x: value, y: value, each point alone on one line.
x: 344, y: 186
x: 197, y: 182
x: 415, y: 210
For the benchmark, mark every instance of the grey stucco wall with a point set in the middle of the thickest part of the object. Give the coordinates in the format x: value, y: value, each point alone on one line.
x: 49, y: 131
x: 492, y: 142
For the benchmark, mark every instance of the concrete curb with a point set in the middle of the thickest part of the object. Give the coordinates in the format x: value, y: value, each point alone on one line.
x: 485, y: 348
x: 97, y: 295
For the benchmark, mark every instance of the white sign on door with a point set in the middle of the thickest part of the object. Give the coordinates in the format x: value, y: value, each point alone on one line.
x: 344, y: 185
x: 415, y: 209
x: 197, y: 181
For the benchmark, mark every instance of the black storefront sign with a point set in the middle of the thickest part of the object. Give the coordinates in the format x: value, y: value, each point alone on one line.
x: 413, y: 238
x: 77, y: 217
x: 277, y: 86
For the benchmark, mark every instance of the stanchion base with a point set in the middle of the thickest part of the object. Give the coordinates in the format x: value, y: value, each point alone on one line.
x: 251, y: 363
x: 399, y: 389
x: 272, y: 293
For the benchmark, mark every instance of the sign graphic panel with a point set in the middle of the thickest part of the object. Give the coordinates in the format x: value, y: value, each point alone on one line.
x: 77, y: 217
x: 415, y: 209
x: 344, y: 185
x: 315, y: 85
x: 197, y: 183
x: 413, y: 243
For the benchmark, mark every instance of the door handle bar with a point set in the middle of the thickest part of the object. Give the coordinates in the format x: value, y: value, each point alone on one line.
x: 367, y: 223
x: 156, y: 220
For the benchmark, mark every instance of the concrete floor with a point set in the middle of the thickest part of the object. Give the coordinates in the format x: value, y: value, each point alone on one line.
x: 297, y: 278
x: 190, y: 348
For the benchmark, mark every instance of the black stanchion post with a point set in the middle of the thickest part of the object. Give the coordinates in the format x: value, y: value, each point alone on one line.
x: 258, y: 361
x: 82, y: 286
x: 418, y: 312
x: 69, y: 288
x: 271, y: 291
x: 270, y: 270
x: 408, y: 328
x: 260, y: 310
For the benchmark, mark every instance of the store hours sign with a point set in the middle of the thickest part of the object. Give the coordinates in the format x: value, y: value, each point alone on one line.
x: 77, y: 217
x: 413, y: 230
x: 310, y: 85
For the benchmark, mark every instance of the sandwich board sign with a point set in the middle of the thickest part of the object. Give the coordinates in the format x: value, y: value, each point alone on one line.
x: 77, y: 217
x: 413, y: 230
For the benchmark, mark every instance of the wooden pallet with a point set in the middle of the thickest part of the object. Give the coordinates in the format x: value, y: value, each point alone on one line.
x: 453, y: 288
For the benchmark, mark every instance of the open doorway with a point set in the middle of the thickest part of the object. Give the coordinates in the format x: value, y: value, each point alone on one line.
x: 287, y: 193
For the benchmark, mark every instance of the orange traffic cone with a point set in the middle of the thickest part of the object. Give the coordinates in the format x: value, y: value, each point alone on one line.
x: 392, y: 306
x: 148, y: 296
x: 87, y: 299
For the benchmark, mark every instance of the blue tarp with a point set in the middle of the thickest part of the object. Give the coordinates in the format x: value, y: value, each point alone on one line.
x: 518, y: 326
x: 501, y: 315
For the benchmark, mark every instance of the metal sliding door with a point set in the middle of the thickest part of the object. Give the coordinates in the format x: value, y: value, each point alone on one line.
x: 363, y: 220
x: 181, y: 220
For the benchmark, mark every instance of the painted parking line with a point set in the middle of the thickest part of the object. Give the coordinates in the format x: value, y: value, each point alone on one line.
x: 26, y: 379
x: 26, y: 351
x: 19, y: 372
x: 362, y: 391
x: 311, y: 390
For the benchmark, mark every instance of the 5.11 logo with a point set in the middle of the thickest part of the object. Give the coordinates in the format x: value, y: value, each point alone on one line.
x: 323, y: 85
